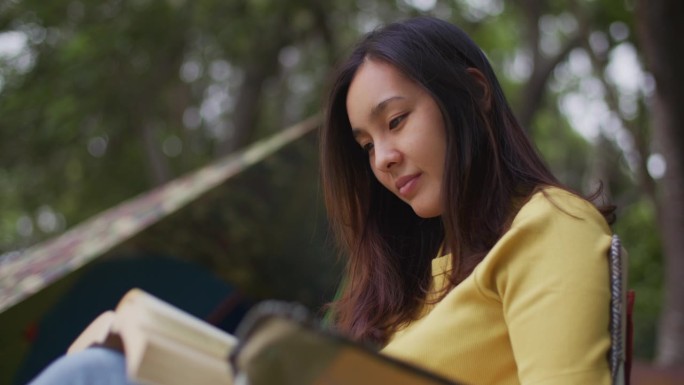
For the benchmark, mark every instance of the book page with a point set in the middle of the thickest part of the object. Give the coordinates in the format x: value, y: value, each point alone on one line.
x: 156, y: 316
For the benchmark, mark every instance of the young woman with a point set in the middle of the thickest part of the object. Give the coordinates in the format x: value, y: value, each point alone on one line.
x: 467, y: 257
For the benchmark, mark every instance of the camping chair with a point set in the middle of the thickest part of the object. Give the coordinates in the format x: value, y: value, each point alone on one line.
x: 621, y: 305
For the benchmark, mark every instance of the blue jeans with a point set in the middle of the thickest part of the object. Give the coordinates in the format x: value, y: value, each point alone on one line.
x: 94, y: 366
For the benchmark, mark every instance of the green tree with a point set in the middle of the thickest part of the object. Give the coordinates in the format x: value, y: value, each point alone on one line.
x: 660, y: 29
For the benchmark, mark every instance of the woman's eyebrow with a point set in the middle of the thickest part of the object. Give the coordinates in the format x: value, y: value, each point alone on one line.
x: 375, y: 111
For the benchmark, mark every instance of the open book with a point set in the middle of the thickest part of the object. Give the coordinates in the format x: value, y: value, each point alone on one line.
x: 278, y: 344
x: 163, y: 345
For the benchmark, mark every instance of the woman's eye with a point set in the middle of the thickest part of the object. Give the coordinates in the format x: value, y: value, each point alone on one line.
x: 367, y: 147
x: 394, y: 123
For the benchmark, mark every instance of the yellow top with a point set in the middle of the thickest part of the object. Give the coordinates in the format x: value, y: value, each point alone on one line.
x: 534, y: 311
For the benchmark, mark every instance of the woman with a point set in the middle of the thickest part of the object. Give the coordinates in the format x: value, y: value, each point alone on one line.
x: 423, y: 158
x: 466, y: 256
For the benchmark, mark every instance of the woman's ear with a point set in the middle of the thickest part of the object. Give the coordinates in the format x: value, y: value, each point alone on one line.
x: 481, y: 80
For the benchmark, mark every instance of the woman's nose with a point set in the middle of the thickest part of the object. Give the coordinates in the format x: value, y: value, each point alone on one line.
x: 386, y: 156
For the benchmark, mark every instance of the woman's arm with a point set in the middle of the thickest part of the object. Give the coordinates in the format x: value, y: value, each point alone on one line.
x: 553, y: 282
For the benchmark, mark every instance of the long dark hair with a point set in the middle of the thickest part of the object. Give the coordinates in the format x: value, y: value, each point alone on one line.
x: 490, y: 163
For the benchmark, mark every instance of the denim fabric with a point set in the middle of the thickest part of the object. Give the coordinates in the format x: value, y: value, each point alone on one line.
x: 94, y: 366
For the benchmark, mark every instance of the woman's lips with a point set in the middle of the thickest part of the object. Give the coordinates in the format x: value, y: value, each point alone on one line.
x: 407, y: 184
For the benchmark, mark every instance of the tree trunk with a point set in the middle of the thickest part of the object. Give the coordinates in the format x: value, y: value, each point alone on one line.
x: 533, y: 93
x: 262, y: 65
x: 158, y: 167
x: 246, y: 113
x: 660, y: 33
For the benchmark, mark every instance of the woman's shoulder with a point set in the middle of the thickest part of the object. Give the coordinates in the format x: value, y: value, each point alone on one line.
x: 555, y: 233
x: 554, y: 204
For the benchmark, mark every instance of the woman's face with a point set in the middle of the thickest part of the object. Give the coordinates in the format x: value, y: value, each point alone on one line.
x: 401, y: 127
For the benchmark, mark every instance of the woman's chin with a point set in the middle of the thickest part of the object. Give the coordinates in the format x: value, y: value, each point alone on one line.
x: 426, y: 212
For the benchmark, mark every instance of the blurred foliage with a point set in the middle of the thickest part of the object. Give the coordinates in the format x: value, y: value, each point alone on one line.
x: 263, y: 230
x: 645, y: 268
x: 108, y: 99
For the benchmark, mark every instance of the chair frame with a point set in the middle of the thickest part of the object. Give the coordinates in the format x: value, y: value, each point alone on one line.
x: 621, y: 304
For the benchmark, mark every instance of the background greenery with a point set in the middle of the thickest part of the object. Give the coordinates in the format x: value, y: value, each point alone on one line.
x: 102, y: 100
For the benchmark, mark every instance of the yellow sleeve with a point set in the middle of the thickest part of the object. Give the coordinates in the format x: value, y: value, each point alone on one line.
x: 552, y: 279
